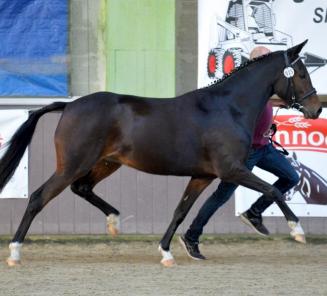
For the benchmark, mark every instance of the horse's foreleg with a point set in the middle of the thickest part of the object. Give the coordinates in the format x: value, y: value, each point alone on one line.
x: 246, y: 178
x: 37, y: 201
x: 192, y: 191
x: 84, y: 188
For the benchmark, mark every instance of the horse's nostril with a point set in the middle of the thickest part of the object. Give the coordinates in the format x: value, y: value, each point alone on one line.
x: 319, y: 111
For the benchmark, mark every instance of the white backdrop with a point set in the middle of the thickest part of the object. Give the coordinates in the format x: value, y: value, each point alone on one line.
x: 299, y: 21
x: 10, y: 120
x: 306, y: 140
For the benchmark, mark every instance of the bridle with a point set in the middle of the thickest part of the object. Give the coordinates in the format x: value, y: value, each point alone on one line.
x: 289, y: 73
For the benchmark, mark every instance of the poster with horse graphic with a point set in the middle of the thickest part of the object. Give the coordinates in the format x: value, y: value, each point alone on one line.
x: 229, y: 29
x: 306, y: 142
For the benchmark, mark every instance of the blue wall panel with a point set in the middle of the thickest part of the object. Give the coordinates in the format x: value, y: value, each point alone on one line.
x: 34, y: 48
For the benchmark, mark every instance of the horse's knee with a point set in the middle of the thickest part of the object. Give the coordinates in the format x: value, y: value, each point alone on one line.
x: 274, y: 194
x: 35, y: 204
x: 179, y: 215
x: 81, y: 189
x: 74, y: 188
x: 179, y: 219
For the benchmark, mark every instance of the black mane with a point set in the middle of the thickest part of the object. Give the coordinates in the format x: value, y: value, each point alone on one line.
x: 240, y: 67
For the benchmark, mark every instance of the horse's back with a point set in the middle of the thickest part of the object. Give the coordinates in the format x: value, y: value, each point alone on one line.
x: 141, y: 132
x: 115, y: 120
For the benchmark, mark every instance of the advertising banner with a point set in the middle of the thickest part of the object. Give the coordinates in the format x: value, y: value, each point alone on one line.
x: 230, y: 29
x: 306, y: 142
x: 34, y: 48
x: 17, y: 186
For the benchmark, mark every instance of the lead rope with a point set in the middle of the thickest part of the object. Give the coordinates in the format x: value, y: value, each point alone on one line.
x: 273, y: 129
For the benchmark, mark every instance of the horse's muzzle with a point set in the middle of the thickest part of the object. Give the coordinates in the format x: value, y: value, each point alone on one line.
x: 317, y: 113
x: 312, y: 114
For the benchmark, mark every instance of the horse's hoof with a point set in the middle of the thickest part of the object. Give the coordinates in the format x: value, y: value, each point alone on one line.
x: 113, y: 230
x: 299, y: 238
x: 167, y: 258
x: 113, y: 224
x: 12, y: 262
x: 297, y: 232
x: 168, y: 262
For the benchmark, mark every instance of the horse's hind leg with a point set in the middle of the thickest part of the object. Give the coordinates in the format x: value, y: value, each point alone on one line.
x: 246, y: 178
x: 84, y: 188
x: 192, y: 192
x: 50, y: 189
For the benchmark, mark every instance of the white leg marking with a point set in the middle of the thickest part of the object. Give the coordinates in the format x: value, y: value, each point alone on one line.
x: 167, y: 258
x: 113, y: 224
x: 14, y: 258
x: 297, y: 231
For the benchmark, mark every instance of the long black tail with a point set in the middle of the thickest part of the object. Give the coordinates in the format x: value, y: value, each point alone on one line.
x: 19, y: 142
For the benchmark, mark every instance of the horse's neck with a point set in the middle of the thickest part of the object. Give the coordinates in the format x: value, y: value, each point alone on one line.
x: 254, y: 87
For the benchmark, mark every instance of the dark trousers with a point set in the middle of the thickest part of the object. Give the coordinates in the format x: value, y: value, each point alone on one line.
x: 267, y: 158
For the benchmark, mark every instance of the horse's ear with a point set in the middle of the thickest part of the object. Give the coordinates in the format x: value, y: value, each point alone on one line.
x: 295, y: 50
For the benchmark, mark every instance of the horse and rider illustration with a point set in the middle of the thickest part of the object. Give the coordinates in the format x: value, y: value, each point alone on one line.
x: 312, y: 186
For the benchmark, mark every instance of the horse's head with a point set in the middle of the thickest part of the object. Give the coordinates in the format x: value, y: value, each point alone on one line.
x: 294, y: 85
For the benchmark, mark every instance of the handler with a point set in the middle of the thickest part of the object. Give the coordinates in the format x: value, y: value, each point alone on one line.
x: 263, y: 155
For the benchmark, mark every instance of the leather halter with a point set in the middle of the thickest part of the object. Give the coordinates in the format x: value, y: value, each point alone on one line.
x: 289, y: 73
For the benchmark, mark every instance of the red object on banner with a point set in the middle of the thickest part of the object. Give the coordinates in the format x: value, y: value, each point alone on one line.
x: 295, y: 132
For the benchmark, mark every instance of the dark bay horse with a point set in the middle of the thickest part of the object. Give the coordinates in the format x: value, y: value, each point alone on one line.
x: 204, y: 134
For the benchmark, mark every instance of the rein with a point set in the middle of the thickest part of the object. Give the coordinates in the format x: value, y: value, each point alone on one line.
x: 289, y: 73
x: 273, y: 130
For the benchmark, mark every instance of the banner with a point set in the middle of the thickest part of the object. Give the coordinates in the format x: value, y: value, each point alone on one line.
x: 10, y: 120
x: 306, y: 142
x: 230, y: 29
x: 34, y: 48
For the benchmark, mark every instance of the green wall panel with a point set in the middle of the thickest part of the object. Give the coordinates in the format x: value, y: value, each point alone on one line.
x: 141, y: 47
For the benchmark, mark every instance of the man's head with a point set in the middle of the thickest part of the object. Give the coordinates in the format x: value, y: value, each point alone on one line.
x: 259, y: 51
